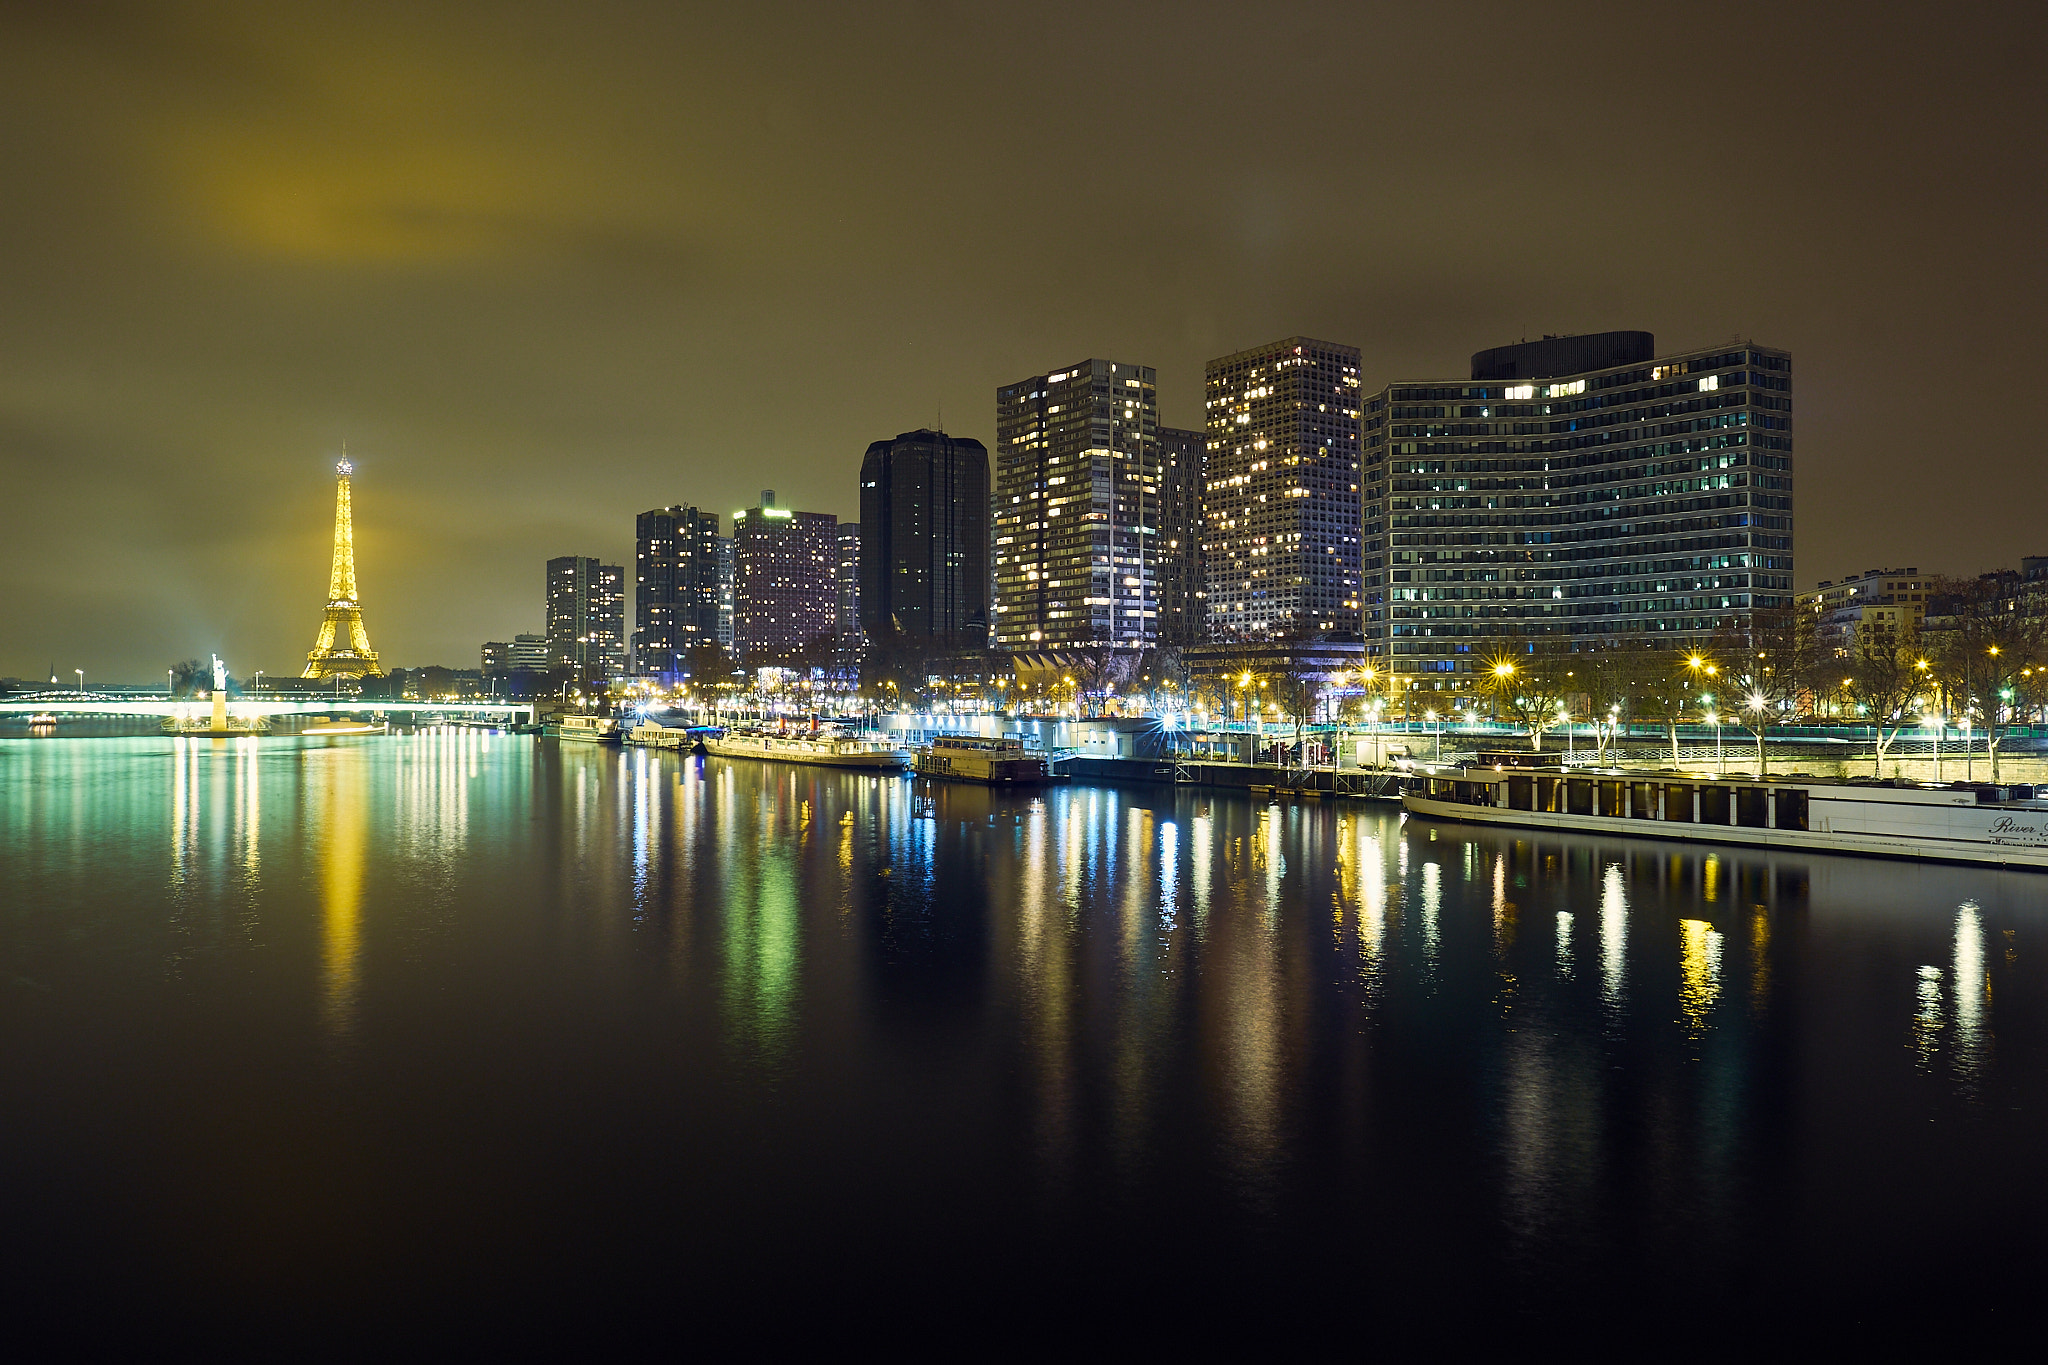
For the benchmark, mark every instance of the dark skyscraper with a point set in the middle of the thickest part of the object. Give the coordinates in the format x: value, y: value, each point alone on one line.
x: 586, y: 606
x: 1580, y: 488
x: 924, y: 517
x: 783, y: 594
x: 1280, y: 551
x: 1182, y: 605
x: 675, y: 587
x: 1077, y: 508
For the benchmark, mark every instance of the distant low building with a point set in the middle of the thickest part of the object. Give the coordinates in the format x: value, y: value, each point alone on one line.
x: 1891, y: 601
x: 530, y: 651
x: 497, y: 657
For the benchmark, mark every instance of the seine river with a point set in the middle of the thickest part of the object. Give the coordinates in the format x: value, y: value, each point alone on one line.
x: 449, y: 1033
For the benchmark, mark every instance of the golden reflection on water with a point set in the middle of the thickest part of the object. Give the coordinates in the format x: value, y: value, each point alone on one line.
x: 344, y: 819
x: 1699, y: 972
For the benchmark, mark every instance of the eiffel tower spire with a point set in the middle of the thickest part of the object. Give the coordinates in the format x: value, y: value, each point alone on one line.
x: 343, y: 649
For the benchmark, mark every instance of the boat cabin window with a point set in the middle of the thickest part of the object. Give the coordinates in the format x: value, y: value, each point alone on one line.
x: 1521, y: 793
x: 1751, y: 809
x: 1643, y: 800
x: 1714, y: 805
x: 1678, y: 803
x: 1578, y: 796
x: 1550, y: 793
x: 1791, y: 809
x: 1610, y: 798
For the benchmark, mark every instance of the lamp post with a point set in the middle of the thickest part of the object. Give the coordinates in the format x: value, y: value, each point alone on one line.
x: 1437, y: 731
x: 1714, y: 719
x: 81, y: 680
x: 170, y: 684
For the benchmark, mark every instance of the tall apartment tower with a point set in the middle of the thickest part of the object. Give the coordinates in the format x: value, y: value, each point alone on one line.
x: 1183, y: 604
x: 846, y: 581
x: 675, y: 587
x: 1581, y: 488
x: 586, y: 617
x: 1280, y: 542
x: 924, y: 513
x: 1077, y: 508
x: 725, y: 600
x: 783, y: 593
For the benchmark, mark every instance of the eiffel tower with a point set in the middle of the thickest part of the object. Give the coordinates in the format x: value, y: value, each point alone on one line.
x: 352, y: 657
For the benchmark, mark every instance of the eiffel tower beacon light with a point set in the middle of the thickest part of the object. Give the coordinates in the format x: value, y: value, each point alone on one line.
x: 343, y: 649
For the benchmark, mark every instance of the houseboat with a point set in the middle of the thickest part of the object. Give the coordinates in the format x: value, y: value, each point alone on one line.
x: 590, y: 729
x: 1964, y: 822
x: 970, y: 758
x: 826, y: 748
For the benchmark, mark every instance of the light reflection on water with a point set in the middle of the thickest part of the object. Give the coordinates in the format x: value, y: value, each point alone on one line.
x: 1146, y: 1009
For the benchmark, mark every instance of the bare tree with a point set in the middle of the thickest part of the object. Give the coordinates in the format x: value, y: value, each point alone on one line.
x: 1882, y: 673
x: 1993, y: 633
x: 1299, y: 690
x: 1535, y: 687
x: 1770, y: 667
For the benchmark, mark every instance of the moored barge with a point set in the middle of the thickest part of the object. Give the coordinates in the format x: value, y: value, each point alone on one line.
x: 1971, y: 822
x: 994, y: 762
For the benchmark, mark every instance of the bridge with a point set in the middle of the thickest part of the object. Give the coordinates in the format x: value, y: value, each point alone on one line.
x: 89, y: 705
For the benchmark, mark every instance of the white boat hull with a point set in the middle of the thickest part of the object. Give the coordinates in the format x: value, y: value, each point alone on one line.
x: 817, y: 753
x: 2003, y: 836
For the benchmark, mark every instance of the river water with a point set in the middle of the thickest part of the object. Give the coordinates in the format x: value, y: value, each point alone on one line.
x: 308, y: 1041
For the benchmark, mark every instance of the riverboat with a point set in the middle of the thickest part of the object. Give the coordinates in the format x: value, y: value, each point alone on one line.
x: 590, y: 729
x: 1962, y: 822
x: 971, y: 758
x: 825, y: 748
x: 690, y: 739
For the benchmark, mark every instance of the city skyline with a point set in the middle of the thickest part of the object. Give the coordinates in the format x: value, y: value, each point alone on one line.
x: 534, y: 280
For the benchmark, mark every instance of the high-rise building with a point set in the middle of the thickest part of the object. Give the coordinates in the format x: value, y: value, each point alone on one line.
x: 846, y: 581
x: 1076, y: 516
x: 725, y: 578
x: 783, y: 593
x: 924, y: 513
x: 586, y: 605
x: 675, y: 587
x: 1183, y: 605
x: 1581, y: 488
x: 1280, y: 543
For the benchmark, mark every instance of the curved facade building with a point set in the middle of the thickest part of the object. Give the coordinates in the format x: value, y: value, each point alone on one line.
x: 924, y: 518
x: 1646, y: 500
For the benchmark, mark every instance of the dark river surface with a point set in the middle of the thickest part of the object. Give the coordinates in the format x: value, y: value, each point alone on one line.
x: 315, y: 1042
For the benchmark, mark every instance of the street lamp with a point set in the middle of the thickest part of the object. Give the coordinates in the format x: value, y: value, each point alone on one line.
x: 1714, y: 719
x: 81, y: 680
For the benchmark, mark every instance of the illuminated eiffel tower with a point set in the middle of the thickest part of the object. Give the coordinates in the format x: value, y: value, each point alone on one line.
x: 343, y: 649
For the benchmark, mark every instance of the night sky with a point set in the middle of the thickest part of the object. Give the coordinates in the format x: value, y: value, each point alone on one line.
x: 542, y: 267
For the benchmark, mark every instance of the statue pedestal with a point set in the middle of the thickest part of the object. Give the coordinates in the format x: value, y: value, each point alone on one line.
x: 220, y: 711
